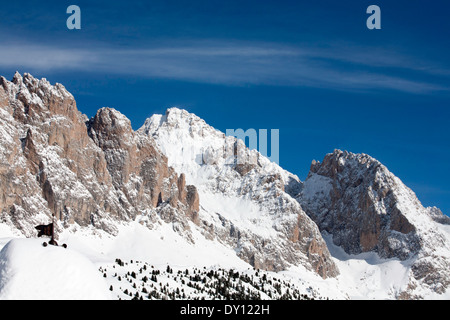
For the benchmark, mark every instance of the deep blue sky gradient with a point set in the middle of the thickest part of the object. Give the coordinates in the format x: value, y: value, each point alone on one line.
x: 308, y: 68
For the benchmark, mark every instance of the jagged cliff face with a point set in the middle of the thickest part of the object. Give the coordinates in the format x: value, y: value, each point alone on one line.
x: 54, y: 161
x: 354, y: 198
x: 243, y: 203
x: 366, y: 208
x: 137, y: 168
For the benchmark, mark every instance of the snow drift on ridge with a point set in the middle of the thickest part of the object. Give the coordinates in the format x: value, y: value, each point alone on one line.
x: 28, y: 271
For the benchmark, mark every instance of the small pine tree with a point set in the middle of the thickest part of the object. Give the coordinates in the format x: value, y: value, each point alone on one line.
x: 119, y: 262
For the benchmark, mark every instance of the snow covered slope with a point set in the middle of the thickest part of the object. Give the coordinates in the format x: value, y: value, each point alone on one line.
x: 141, y: 264
x: 30, y: 271
x: 243, y: 204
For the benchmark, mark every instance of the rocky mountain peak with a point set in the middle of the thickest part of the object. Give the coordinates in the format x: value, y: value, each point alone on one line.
x: 33, y: 100
x: 109, y: 125
x: 338, y: 161
x: 247, y: 209
x: 356, y: 194
x: 366, y: 208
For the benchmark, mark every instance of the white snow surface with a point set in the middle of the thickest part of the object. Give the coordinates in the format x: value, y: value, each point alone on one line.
x: 30, y: 271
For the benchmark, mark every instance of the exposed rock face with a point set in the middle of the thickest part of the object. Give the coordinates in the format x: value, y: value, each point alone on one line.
x: 96, y: 172
x: 243, y: 204
x: 365, y: 208
x: 352, y: 197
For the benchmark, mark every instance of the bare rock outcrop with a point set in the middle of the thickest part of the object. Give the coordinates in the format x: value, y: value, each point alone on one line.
x: 55, y: 161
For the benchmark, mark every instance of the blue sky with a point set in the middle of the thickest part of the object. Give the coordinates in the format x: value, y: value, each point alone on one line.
x: 310, y: 69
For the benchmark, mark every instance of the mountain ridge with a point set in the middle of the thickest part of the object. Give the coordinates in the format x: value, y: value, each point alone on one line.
x: 177, y: 173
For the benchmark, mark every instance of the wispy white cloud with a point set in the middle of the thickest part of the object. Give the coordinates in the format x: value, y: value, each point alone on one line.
x: 235, y: 63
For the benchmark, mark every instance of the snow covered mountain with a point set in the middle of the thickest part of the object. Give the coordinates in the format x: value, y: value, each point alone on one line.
x: 366, y: 208
x: 244, y: 205
x: 172, y: 193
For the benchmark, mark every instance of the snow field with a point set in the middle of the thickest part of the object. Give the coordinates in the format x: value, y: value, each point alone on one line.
x: 97, y: 266
x: 89, y: 269
x: 29, y: 271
